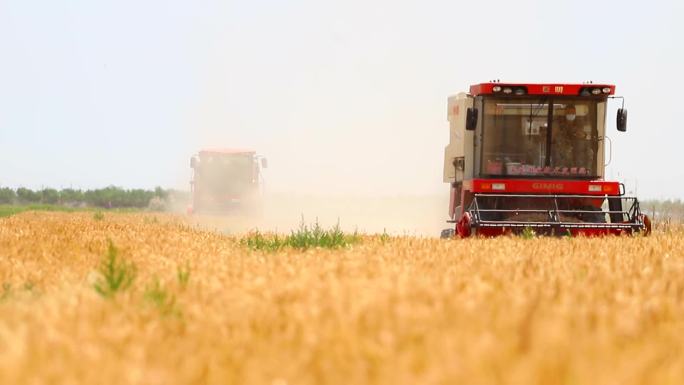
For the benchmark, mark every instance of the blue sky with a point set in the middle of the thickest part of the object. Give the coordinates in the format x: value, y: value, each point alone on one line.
x: 345, y: 96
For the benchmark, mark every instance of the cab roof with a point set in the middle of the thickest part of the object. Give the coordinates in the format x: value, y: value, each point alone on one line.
x: 226, y: 151
x: 543, y: 89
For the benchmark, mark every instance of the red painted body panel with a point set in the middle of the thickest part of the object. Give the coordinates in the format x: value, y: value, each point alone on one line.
x: 542, y: 186
x: 535, y: 187
x: 539, y: 89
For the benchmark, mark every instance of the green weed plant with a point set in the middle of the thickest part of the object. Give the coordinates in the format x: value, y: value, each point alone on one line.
x: 116, y: 274
x: 305, y: 237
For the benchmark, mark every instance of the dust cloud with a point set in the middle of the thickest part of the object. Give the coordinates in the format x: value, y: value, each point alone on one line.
x: 366, y: 174
x: 284, y: 212
x: 348, y: 188
x: 344, y: 142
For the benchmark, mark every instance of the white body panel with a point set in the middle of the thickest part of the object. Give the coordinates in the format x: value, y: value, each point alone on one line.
x: 459, y: 137
x: 601, y: 127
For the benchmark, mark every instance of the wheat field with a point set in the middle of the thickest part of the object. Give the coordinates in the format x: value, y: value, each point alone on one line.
x: 202, y: 308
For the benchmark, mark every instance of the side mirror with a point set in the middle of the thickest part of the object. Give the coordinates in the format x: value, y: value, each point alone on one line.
x: 193, y: 162
x: 471, y: 119
x: 622, y: 119
x: 264, y: 163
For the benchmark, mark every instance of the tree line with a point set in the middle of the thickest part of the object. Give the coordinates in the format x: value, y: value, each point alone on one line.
x: 108, y: 197
x: 664, y: 210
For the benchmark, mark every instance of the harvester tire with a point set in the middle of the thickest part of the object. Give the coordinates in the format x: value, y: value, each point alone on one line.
x: 447, y: 234
x: 463, y: 227
x: 647, y: 225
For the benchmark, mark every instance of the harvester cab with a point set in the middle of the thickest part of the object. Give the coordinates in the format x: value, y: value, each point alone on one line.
x: 226, y: 181
x: 532, y: 156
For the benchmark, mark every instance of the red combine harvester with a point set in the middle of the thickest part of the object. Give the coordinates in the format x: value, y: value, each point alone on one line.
x: 531, y: 156
x: 226, y: 181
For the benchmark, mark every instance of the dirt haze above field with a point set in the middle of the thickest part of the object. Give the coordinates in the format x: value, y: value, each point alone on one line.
x: 283, y: 212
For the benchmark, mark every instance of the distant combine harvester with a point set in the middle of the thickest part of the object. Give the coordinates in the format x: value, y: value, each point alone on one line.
x: 226, y: 181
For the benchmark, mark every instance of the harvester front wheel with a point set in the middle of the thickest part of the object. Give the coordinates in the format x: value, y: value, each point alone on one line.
x: 464, y: 226
x: 647, y: 224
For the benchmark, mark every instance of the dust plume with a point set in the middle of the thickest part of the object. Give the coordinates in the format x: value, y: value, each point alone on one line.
x: 284, y: 212
x: 344, y: 140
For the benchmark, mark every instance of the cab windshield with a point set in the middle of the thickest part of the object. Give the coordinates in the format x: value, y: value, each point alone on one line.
x: 227, y: 174
x: 540, y: 137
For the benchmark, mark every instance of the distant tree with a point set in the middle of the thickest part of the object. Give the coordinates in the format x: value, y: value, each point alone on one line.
x: 89, y: 197
x: 7, y: 196
x: 49, y: 196
x: 664, y: 210
x: 71, y: 196
x: 108, y: 197
x: 25, y: 195
x: 141, y: 198
x: 114, y: 197
x: 161, y: 193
